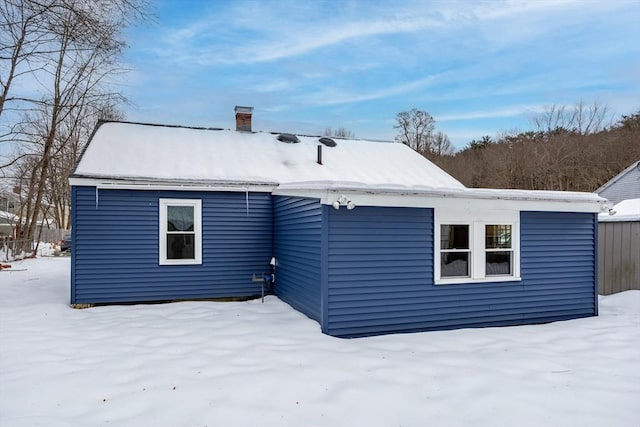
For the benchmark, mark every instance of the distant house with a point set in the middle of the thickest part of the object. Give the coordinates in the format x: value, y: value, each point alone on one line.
x: 9, y: 201
x: 13, y: 215
x: 368, y: 237
x: 624, y: 186
x: 8, y: 219
x: 7, y: 224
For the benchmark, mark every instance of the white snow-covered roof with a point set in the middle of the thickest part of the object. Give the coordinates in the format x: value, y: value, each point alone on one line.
x: 163, y: 153
x: 626, y: 210
x: 140, y: 156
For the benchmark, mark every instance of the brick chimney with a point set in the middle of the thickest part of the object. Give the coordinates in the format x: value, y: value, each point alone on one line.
x: 243, y: 118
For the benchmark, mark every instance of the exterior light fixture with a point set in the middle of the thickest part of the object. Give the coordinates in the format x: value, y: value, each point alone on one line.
x: 343, y: 201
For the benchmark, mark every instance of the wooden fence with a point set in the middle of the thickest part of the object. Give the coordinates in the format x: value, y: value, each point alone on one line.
x: 51, y: 235
x: 618, y: 256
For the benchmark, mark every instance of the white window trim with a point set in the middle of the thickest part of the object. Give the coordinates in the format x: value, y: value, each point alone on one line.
x: 197, y: 228
x: 476, y: 222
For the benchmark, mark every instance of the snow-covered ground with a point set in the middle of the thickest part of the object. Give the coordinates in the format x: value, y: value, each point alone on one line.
x: 252, y: 364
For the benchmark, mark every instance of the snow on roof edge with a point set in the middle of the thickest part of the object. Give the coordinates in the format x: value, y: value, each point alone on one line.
x: 625, y: 211
x: 605, y: 217
x: 475, y: 193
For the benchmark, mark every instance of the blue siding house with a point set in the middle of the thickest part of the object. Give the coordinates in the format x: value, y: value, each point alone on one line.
x: 368, y: 237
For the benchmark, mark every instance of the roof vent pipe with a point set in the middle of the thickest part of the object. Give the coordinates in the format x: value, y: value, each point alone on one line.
x: 243, y: 118
x: 319, y: 154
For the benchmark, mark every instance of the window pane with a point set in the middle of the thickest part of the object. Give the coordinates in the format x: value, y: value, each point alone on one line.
x: 180, y: 246
x: 498, y: 236
x: 454, y: 237
x: 180, y: 218
x: 454, y: 264
x: 498, y: 263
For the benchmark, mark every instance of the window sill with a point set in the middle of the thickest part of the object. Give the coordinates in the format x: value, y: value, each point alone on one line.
x: 470, y: 281
x: 181, y: 262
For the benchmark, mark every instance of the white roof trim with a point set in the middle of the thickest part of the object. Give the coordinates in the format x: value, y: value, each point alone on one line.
x: 467, y: 199
x: 104, y: 184
x: 328, y: 193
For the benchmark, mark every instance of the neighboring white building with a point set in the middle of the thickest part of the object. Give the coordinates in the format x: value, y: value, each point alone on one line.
x: 624, y: 186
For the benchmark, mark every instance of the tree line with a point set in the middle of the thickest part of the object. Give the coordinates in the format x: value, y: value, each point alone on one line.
x: 574, y: 148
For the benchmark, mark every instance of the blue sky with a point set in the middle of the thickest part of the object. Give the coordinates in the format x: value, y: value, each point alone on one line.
x: 478, y: 67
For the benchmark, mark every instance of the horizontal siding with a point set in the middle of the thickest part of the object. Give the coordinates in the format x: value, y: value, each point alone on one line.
x: 381, y: 275
x: 379, y: 260
x: 297, y: 238
x: 115, y: 251
x: 624, y: 187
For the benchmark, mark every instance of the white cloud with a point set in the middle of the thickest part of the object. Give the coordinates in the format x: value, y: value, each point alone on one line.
x: 338, y: 96
x: 512, y: 111
x: 278, y: 31
x: 273, y: 86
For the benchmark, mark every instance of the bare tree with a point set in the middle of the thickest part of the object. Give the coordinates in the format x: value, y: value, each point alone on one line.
x: 415, y: 129
x: 588, y: 119
x: 581, y: 118
x: 440, y: 144
x: 344, y: 133
x: 73, y: 135
x: 339, y: 133
x: 23, y: 39
x: 552, y: 118
x: 69, y: 49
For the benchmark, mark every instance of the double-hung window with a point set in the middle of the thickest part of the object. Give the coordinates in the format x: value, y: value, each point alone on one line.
x: 455, y: 252
x: 180, y: 231
x: 498, y: 249
x: 476, y: 247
